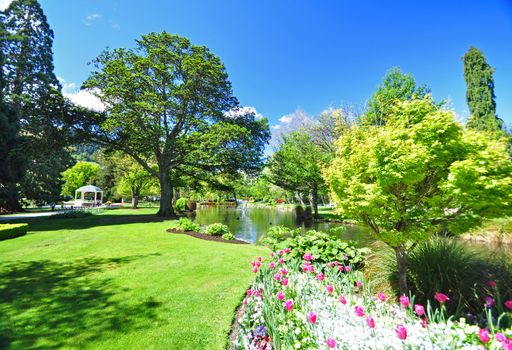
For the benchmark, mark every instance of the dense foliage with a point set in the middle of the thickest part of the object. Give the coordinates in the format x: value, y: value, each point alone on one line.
x: 8, y: 231
x: 418, y: 172
x: 478, y: 75
x: 80, y: 174
x: 171, y: 103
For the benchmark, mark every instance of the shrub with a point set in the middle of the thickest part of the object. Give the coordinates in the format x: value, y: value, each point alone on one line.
x: 217, y: 229
x: 276, y: 234
x: 228, y: 236
x: 324, y: 247
x: 191, y: 205
x: 8, y: 231
x: 181, y: 204
x: 443, y: 264
x: 73, y: 214
x: 185, y: 224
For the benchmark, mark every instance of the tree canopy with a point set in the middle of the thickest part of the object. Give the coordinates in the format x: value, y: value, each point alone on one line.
x: 417, y: 172
x: 480, y: 97
x: 167, y: 102
x: 80, y: 174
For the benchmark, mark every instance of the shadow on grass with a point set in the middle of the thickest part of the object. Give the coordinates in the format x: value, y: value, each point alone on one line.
x: 49, y: 224
x: 47, y: 305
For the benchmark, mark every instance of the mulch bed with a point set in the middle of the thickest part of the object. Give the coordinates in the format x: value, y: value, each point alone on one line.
x: 206, y: 237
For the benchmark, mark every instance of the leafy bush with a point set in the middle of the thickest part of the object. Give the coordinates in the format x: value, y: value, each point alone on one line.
x: 185, y: 224
x: 73, y: 214
x: 324, y: 247
x: 443, y: 264
x: 228, y: 236
x: 181, y: 204
x: 217, y: 229
x: 191, y: 205
x: 8, y: 231
x: 276, y: 234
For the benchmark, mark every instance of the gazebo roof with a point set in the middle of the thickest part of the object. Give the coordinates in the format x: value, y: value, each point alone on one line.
x: 89, y: 188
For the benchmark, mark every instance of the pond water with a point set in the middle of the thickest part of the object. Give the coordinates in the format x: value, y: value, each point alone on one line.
x: 251, y: 224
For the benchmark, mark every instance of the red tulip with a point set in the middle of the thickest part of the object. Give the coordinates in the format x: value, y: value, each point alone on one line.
x: 312, y: 317
x: 508, y: 304
x: 483, y: 335
x: 440, y: 297
x: 401, y: 332
x: 492, y: 284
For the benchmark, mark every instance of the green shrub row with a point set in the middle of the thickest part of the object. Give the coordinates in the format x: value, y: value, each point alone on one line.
x: 8, y: 231
x: 74, y: 214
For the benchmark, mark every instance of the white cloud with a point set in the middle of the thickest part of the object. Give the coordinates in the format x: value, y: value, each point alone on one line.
x: 4, y: 4
x: 90, y: 19
x: 286, y: 118
x: 276, y: 127
x: 242, y: 111
x: 86, y: 99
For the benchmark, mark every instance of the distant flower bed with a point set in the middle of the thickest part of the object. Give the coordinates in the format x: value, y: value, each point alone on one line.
x: 303, y: 304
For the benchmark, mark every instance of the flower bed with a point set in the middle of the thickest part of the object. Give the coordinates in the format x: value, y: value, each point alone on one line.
x: 306, y: 305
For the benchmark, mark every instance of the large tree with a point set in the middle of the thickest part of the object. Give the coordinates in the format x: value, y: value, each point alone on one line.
x: 296, y: 166
x: 419, y: 171
x: 34, y: 92
x: 166, y: 101
x: 480, y: 92
x: 396, y: 86
x: 80, y: 174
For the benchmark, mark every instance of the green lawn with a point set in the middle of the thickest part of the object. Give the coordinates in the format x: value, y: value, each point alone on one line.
x: 118, y: 281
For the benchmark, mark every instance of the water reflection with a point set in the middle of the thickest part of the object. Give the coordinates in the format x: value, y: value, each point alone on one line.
x: 251, y: 224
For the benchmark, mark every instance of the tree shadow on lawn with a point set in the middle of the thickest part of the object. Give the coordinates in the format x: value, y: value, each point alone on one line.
x: 47, y: 305
x: 49, y: 223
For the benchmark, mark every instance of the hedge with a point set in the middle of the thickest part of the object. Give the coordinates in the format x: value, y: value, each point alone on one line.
x: 8, y: 231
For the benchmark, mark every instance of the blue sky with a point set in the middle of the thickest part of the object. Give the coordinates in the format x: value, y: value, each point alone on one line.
x: 284, y: 55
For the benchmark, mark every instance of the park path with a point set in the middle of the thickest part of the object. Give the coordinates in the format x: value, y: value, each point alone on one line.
x: 23, y: 216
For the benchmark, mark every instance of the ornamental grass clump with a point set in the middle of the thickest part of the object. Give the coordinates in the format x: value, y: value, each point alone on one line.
x: 309, y: 304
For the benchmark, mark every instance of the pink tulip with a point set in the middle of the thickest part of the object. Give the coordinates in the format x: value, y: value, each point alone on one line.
x: 331, y: 264
x: 249, y: 292
x: 489, y: 302
x: 253, y: 263
x: 404, y: 301
x: 305, y: 267
x: 280, y: 295
x: 284, y: 271
x: 500, y: 337
x: 281, y: 261
x: 492, y: 284
x: 272, y: 265
x: 277, y: 276
x: 401, y: 332
x: 347, y: 268
x: 259, y: 258
x: 336, y: 262
x: 440, y: 297
x: 381, y: 296
x: 359, y: 284
x: 359, y: 311
x: 255, y: 269
x: 312, y: 317
x: 329, y: 288
x: 343, y: 300
x: 258, y: 263
x: 284, y: 281
x: 307, y: 257
x: 288, y: 305
x: 340, y: 268
x: 287, y: 250
x: 245, y: 301
x: 508, y: 304
x: 281, y: 252
x: 320, y: 276
x: 419, y: 309
x: 256, y: 293
x: 424, y: 322
x: 272, y: 254
x: 331, y: 343
x: 370, y: 322
x: 311, y: 268
x: 483, y: 335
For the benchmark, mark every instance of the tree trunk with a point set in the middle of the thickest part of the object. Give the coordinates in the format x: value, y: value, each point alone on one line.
x: 135, y: 198
x: 314, y: 202
x: 402, y: 272
x: 166, y: 192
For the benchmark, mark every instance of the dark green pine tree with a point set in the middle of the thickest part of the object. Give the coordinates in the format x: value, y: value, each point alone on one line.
x: 34, y: 93
x: 12, y: 160
x: 480, y: 92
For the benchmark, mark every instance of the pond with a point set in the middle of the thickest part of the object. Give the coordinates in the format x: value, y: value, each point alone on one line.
x: 250, y: 224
